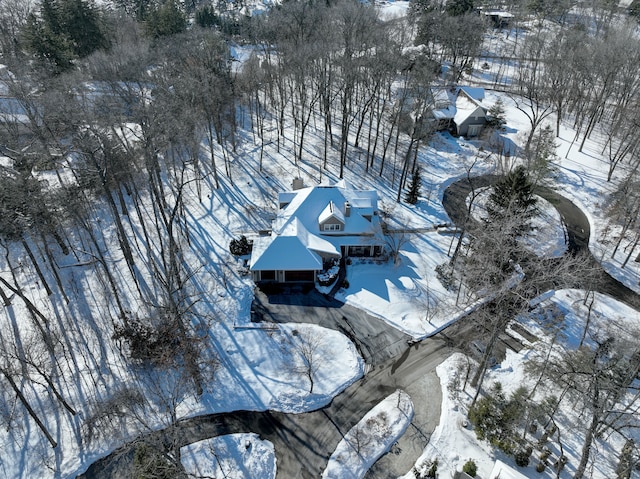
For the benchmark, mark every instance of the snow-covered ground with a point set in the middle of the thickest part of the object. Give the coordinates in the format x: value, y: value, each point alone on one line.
x: 234, y: 456
x: 454, y: 441
x: 260, y: 369
x: 373, y: 436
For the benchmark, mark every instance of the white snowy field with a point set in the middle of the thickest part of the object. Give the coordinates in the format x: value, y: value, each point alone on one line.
x: 233, y: 456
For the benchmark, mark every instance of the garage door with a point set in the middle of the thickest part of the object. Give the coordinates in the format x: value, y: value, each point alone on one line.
x: 298, y: 276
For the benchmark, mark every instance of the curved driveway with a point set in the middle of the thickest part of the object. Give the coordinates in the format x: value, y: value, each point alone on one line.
x: 304, y: 442
x: 577, y: 227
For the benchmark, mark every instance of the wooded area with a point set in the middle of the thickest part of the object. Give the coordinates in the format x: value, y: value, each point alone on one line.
x: 120, y: 109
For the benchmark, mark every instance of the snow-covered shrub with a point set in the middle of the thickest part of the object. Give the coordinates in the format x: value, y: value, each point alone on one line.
x: 470, y: 468
x: 328, y: 276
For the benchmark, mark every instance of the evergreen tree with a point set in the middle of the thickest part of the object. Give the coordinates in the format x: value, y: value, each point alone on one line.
x: 414, y: 188
x: 634, y: 9
x: 166, y: 20
x: 206, y: 17
x: 65, y: 30
x: 512, y: 201
x: 84, y: 26
x: 459, y: 7
x: 541, y: 156
x: 139, y: 9
x: 497, y: 115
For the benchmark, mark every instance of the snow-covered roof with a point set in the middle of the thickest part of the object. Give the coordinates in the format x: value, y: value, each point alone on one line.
x: 297, y: 240
x: 12, y: 111
x: 285, y: 197
x: 293, y: 249
x: 309, y: 204
x: 331, y: 211
x: 502, y: 471
x: 498, y: 13
x: 460, y: 103
x: 476, y: 93
x: 444, y: 113
x: 466, y: 107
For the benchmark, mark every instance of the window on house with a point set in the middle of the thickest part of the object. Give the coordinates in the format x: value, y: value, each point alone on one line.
x: 332, y: 227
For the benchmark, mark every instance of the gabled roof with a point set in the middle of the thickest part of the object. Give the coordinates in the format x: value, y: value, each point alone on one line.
x: 293, y: 249
x: 297, y: 242
x: 461, y: 102
x: 331, y: 211
x: 467, y: 107
x: 475, y: 93
x: 442, y: 97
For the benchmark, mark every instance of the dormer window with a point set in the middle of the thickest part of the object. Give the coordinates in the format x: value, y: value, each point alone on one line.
x: 332, y: 227
x: 331, y: 218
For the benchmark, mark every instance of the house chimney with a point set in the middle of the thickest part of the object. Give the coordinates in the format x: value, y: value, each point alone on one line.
x: 347, y: 209
x: 297, y: 184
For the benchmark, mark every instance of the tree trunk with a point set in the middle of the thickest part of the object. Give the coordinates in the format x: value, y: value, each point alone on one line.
x: 30, y: 410
x: 37, y: 267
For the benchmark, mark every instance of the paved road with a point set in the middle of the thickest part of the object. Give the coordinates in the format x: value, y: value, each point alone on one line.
x: 375, y: 340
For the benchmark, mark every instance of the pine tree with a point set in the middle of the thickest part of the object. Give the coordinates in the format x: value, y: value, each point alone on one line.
x: 541, y: 156
x: 206, y: 17
x: 513, y: 199
x: 414, y: 188
x: 459, y: 7
x: 166, y: 20
x: 65, y: 30
x: 496, y: 115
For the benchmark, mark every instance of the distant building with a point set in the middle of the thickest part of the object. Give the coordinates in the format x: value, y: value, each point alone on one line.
x: 498, y: 18
x: 459, y: 110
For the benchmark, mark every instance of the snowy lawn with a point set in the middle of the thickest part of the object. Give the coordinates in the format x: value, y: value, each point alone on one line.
x: 234, y: 456
x: 373, y: 436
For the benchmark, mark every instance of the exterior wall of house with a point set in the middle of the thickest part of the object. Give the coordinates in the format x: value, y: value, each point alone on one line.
x: 366, y: 251
x: 463, y: 128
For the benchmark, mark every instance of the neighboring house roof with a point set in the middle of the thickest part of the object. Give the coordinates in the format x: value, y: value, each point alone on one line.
x: 293, y: 249
x: 298, y: 240
x: 499, y: 14
x: 457, y: 104
x: 444, y: 103
x: 475, y: 93
x: 467, y: 107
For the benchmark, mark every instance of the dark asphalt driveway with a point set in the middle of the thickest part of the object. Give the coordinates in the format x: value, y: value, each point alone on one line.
x: 304, y: 442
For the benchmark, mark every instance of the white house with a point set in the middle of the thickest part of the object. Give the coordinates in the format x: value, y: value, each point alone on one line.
x: 470, y: 115
x: 315, y: 226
